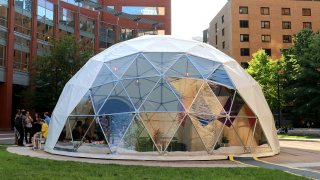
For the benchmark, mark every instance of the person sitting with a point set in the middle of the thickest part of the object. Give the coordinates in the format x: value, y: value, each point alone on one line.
x: 84, y: 129
x: 290, y: 128
x: 44, y: 131
x: 278, y: 130
x: 76, y: 132
x: 285, y: 129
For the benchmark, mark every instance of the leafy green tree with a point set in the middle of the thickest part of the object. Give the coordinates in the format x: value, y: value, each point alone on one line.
x: 65, y: 56
x: 266, y: 71
x: 302, y: 72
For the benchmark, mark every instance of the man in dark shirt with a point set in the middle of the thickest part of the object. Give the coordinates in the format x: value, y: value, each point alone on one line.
x: 85, y: 127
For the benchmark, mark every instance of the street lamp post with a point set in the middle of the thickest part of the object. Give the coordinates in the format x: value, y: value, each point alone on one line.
x: 56, y: 70
x: 279, y: 117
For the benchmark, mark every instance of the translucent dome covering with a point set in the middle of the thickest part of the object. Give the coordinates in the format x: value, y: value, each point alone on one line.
x: 162, y: 96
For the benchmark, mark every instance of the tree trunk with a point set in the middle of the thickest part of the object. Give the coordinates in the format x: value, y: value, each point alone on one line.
x: 317, y: 119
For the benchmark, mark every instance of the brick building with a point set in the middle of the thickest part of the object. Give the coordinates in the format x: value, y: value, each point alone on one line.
x: 26, y: 27
x: 242, y: 27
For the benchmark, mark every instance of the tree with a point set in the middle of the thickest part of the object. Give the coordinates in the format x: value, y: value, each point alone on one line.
x: 266, y: 71
x: 301, y: 70
x: 65, y: 56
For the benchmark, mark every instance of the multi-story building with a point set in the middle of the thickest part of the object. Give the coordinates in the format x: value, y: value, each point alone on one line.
x: 26, y: 27
x: 242, y: 27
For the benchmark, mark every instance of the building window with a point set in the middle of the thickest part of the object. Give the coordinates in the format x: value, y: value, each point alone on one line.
x: 264, y: 10
x: 266, y: 38
x: 127, y: 34
x: 223, y: 32
x: 45, y: 24
x: 23, y: 17
x: 286, y: 25
x: 265, y: 24
x: 21, y: 54
x: 4, y: 9
x: 243, y: 10
x: 143, y: 10
x: 106, y: 36
x: 244, y: 65
x: 307, y: 25
x: 42, y: 48
x: 267, y: 51
x: 306, y: 12
x: 3, y: 44
x: 223, y: 44
x: 222, y: 18
x: 244, y: 37
x: 87, y: 33
x: 216, y: 27
x: 287, y: 38
x: 285, y: 11
x: 245, y: 51
x: 216, y: 40
x: 66, y: 22
x: 244, y: 24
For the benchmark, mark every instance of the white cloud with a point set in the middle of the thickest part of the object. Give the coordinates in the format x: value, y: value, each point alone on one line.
x: 191, y: 17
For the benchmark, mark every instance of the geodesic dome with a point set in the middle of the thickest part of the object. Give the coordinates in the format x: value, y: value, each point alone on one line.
x: 160, y: 97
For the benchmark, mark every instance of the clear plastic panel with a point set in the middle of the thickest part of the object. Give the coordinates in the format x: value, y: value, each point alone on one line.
x: 260, y: 143
x: 186, y: 139
x: 119, y: 66
x: 104, y: 76
x: 117, y: 102
x: 224, y: 94
x: 117, y: 126
x: 240, y: 108
x: 161, y: 127
x: 185, y: 89
x: 162, y: 99
x: 162, y: 61
x: 244, y: 127
x: 93, y: 139
x: 208, y: 128
x: 137, y: 141
x: 205, y: 66
x: 140, y: 68
x: 84, y: 107
x: 138, y: 89
x: 220, y: 76
x: 64, y: 142
x: 183, y: 68
x: 99, y: 94
x: 206, y: 102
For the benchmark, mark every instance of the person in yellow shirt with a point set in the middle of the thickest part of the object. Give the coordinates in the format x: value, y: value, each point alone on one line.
x: 44, y: 131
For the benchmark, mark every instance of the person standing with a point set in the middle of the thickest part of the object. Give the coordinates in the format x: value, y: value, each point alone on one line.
x: 308, y: 125
x: 28, y: 127
x: 16, y: 132
x: 20, y: 128
x: 36, y: 123
x: 103, y: 129
x: 47, y: 118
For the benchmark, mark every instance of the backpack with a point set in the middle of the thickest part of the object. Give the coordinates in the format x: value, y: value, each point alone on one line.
x: 18, y: 121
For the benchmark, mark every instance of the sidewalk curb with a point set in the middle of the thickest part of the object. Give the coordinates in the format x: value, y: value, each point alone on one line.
x: 297, y: 139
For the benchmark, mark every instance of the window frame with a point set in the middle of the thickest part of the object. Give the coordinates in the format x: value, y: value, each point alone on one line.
x: 216, y: 27
x: 283, y: 36
x: 283, y: 11
x: 265, y: 38
x: 283, y: 24
x: 242, y: 54
x: 243, y: 21
x: 265, y: 24
x: 244, y: 65
x: 223, y: 45
x: 303, y: 9
x: 244, y: 7
x: 223, y: 32
x: 269, y: 54
x: 216, y: 39
x: 262, y: 8
x: 243, y: 38
x: 7, y: 15
x: 222, y: 19
x: 305, y: 23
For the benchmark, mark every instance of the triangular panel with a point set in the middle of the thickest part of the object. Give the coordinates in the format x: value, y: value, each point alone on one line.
x: 231, y: 136
x: 161, y: 127
x: 138, y: 89
x: 119, y: 66
x: 245, y: 127
x: 205, y: 66
x: 260, y: 143
x: 137, y: 140
x: 183, y: 68
x: 220, y: 76
x: 140, y: 68
x: 162, y: 99
x: 117, y: 126
x: 224, y: 94
x: 240, y: 108
x: 104, y: 76
x: 84, y: 107
x: 99, y: 94
x: 206, y: 102
x: 117, y: 102
x: 186, y: 89
x: 208, y: 128
x: 186, y: 139
x: 162, y: 61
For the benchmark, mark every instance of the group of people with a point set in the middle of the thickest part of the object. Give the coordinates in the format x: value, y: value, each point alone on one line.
x: 24, y: 124
x: 284, y: 129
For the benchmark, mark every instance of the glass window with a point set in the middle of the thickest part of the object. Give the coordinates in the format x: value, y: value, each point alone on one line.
x: 3, y: 43
x: 265, y: 24
x: 267, y: 51
x: 223, y: 44
x: 244, y: 37
x: 223, y: 32
x: 243, y: 10
x: 264, y: 10
x: 266, y: 38
x: 87, y: 32
x: 244, y: 65
x: 245, y: 51
x: 22, y: 19
x: 143, y: 10
x: 216, y: 40
x: 306, y: 12
x: 24, y: 4
x: 21, y: 53
x: 286, y: 25
x: 285, y: 11
x: 216, y: 27
x: 45, y: 24
x: 287, y: 38
x: 66, y: 22
x: 4, y: 13
x: 307, y: 25
x: 222, y: 18
x: 244, y: 24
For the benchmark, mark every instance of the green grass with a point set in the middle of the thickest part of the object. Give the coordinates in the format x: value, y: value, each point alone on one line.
x: 13, y: 166
x: 301, y: 137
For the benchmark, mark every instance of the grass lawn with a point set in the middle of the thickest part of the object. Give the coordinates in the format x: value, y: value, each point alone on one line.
x: 301, y: 137
x: 14, y: 166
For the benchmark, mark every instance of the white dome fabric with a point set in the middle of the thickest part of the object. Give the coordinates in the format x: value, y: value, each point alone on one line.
x: 185, y: 94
